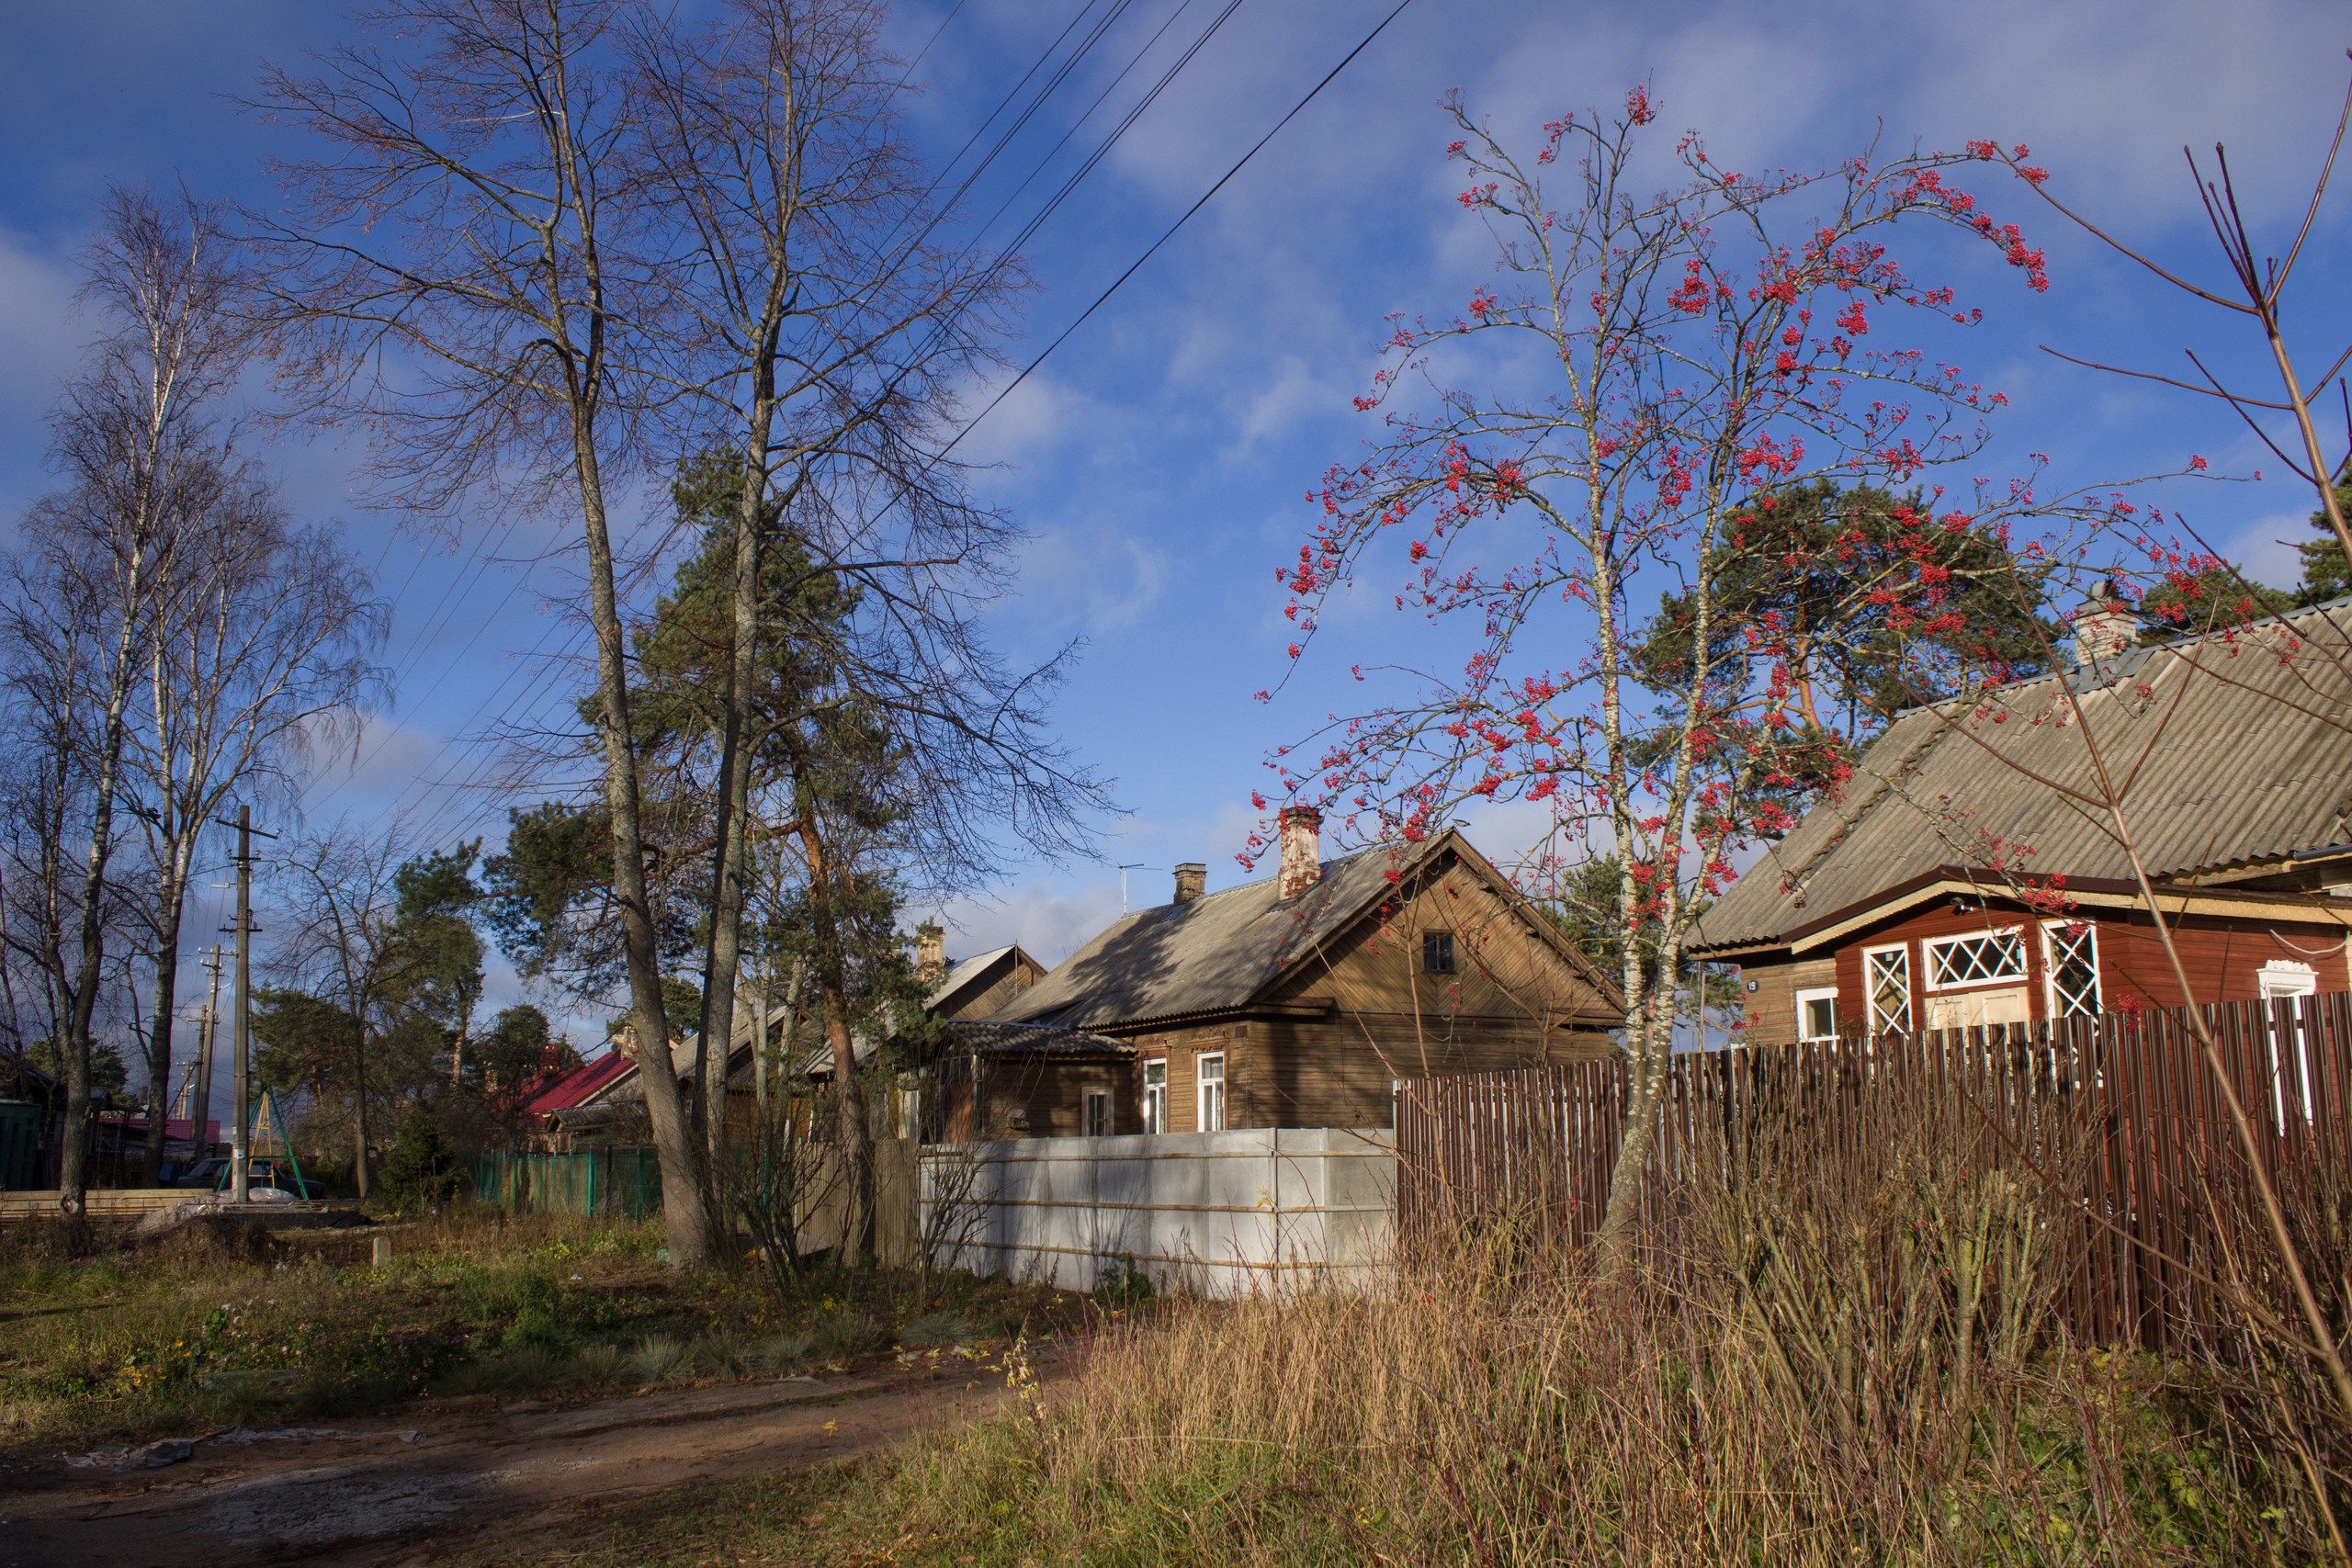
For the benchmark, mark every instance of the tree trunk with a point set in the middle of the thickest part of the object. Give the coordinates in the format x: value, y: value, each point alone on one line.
x: 855, y: 1141
x: 159, y: 1037
x: 685, y: 1211
x: 360, y: 1109
x: 73, y: 1153
x: 730, y: 859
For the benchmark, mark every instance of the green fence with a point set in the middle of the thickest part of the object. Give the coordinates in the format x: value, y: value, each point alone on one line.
x: 622, y: 1182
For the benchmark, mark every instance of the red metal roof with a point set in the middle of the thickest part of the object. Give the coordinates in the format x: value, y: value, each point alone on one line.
x: 573, y: 1086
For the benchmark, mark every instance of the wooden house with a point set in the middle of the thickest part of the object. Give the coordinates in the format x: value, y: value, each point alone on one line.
x: 980, y: 986
x: 1297, y: 1000
x: 1964, y: 875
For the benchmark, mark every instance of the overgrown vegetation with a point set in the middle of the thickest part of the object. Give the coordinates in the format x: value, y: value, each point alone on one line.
x: 221, y: 1324
x: 1818, y: 1368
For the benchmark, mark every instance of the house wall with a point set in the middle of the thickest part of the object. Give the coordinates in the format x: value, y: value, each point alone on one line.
x: 1770, y: 1009
x: 1182, y: 1048
x: 1043, y: 1097
x: 999, y: 994
x: 2225, y: 960
x: 1503, y: 970
x: 1336, y: 1071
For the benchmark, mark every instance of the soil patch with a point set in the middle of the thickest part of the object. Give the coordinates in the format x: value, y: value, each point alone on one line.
x: 375, y: 1491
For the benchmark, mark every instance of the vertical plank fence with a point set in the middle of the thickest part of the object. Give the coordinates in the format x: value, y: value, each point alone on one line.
x: 2115, y: 1123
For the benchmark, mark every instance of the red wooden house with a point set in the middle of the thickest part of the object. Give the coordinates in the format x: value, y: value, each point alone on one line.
x: 1966, y: 875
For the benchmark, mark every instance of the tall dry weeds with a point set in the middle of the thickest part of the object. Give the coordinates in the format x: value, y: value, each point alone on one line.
x: 1804, y: 1365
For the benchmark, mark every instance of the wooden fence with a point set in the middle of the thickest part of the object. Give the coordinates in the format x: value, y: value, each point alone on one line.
x: 2115, y: 1122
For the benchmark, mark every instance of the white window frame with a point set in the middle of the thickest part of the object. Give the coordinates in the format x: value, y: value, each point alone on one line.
x: 1870, y: 989
x: 2283, y: 979
x: 1929, y: 946
x: 1095, y: 1108
x: 1155, y: 1096
x: 1809, y: 995
x: 2054, y: 1006
x: 1208, y: 1092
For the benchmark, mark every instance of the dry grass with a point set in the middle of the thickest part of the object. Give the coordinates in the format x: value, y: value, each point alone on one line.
x: 1821, y: 1370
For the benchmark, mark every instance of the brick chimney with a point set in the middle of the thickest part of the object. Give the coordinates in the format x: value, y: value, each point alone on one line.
x: 1302, y: 836
x: 1191, y: 881
x: 930, y: 952
x: 2104, y: 627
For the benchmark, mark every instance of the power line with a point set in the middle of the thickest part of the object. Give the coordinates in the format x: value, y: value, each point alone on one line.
x: 1329, y: 77
x: 477, y: 773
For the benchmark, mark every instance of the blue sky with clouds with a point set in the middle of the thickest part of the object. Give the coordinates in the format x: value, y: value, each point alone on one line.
x: 1160, y: 457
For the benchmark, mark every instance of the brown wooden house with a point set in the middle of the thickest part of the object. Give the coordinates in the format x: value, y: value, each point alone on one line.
x: 1297, y: 1001
x: 1961, y: 878
x: 980, y: 986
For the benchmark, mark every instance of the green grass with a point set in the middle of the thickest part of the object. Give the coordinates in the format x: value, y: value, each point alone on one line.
x: 211, y: 1331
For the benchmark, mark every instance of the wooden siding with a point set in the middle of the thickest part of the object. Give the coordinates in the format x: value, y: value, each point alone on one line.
x: 1769, y: 1011
x: 1040, y: 1098
x: 1180, y: 1047
x: 1503, y: 970
x: 1015, y: 980
x: 2224, y: 959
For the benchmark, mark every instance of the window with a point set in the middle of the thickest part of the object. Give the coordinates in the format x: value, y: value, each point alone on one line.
x: 1817, y: 1013
x: 2070, y: 959
x: 1098, y: 1113
x: 1155, y: 1096
x: 1437, y: 952
x: 1886, y: 980
x: 1210, y: 1089
x: 2283, y: 981
x: 1976, y: 958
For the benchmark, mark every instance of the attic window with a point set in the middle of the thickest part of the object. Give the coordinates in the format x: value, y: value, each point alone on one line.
x: 1437, y: 952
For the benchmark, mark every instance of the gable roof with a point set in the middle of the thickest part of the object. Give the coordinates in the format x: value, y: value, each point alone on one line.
x: 2233, y: 749
x: 1225, y: 950
x: 968, y: 977
x: 573, y: 1086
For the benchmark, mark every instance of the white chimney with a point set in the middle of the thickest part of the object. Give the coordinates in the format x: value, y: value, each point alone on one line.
x: 1191, y: 881
x: 930, y: 952
x: 1302, y: 836
x: 2104, y: 627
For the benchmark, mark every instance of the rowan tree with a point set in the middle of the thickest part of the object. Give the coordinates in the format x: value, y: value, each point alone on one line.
x: 1584, y: 439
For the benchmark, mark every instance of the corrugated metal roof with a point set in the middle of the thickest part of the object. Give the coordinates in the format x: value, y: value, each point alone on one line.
x: 573, y: 1085
x: 1217, y: 950
x: 963, y: 972
x: 996, y: 1037
x: 2229, y: 749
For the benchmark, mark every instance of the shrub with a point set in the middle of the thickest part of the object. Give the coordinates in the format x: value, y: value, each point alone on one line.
x: 422, y: 1172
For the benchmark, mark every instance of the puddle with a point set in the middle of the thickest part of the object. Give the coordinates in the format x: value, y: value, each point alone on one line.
x: 313, y: 1510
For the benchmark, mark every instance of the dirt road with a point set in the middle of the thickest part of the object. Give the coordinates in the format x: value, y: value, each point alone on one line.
x: 423, y: 1485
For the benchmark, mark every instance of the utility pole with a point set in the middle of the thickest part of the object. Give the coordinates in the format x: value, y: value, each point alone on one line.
x: 240, y: 1037
x: 240, y: 1046
x: 200, y: 1111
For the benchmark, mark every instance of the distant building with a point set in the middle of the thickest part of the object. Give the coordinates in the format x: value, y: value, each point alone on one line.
x: 1293, y: 1001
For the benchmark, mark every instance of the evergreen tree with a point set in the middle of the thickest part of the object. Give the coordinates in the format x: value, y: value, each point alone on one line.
x: 2327, y: 574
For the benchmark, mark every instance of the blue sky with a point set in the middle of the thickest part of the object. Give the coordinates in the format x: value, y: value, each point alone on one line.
x: 1159, y: 458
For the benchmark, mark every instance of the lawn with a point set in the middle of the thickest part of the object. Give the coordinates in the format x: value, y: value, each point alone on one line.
x: 217, y: 1328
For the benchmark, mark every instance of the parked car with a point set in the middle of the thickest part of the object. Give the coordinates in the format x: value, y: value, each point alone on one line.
x: 272, y: 1175
x: 203, y: 1173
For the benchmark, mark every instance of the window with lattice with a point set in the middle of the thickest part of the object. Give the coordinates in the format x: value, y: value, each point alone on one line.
x: 2070, y: 953
x: 1979, y: 958
x: 1886, y: 974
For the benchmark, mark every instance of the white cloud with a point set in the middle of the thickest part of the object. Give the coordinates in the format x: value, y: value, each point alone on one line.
x: 1095, y: 575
